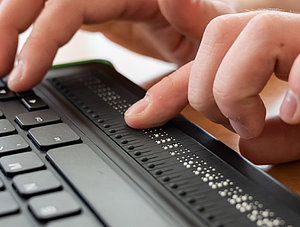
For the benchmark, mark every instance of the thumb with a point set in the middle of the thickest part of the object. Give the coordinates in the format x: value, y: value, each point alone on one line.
x: 190, y: 17
x: 162, y: 102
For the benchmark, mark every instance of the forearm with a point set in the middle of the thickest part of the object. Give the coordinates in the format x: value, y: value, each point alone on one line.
x: 285, y: 5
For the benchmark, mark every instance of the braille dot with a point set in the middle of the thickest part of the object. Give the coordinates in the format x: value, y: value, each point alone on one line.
x: 100, y: 120
x: 112, y: 130
x: 106, y: 125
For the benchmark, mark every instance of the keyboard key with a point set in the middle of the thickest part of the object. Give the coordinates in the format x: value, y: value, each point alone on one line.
x: 50, y: 136
x: 6, y: 127
x: 12, y: 144
x: 1, y: 185
x: 37, y: 118
x: 1, y: 114
x: 8, y: 205
x: 35, y: 183
x: 34, y: 103
x: 54, y: 205
x: 20, y: 163
x: 6, y: 94
x: 76, y: 221
x: 15, y: 221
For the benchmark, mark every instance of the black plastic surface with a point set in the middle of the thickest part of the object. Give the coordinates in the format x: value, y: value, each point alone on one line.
x: 188, y: 162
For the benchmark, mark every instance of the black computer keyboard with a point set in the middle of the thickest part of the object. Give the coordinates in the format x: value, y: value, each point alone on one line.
x: 68, y: 158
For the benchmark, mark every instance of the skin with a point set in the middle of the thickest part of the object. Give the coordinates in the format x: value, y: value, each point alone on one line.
x: 228, y: 93
x: 163, y: 29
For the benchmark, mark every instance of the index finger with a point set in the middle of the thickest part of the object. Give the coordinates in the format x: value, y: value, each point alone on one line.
x: 15, y: 17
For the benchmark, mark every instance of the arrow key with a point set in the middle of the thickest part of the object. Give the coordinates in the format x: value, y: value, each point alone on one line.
x: 34, y: 103
x: 6, y: 94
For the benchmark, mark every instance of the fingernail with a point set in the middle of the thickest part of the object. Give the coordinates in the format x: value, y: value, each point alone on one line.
x: 16, y: 74
x: 289, y: 105
x: 139, y: 107
x: 240, y: 129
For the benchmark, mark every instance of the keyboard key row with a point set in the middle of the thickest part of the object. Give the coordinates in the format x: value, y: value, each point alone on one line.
x: 47, y: 199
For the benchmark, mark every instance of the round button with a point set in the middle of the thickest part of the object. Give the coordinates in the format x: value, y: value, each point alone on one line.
x: 158, y: 172
x: 144, y: 159
x: 118, y: 136
x: 151, y: 165
x: 124, y: 141
x: 166, y: 179
x: 131, y: 147
x: 173, y: 185
x: 137, y: 153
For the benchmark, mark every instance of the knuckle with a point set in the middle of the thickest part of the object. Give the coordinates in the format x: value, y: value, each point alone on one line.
x: 264, y: 23
x: 217, y: 28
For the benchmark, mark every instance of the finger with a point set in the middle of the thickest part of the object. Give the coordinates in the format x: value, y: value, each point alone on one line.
x: 162, y: 102
x: 57, y: 24
x: 199, y: 14
x: 218, y: 38
x: 50, y: 31
x: 15, y: 17
x: 246, y: 69
x: 290, y: 108
x: 278, y: 143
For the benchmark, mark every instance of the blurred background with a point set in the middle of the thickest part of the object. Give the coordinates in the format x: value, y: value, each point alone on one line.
x: 87, y: 45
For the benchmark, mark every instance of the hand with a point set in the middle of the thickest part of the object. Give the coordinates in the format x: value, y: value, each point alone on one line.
x: 236, y: 58
x: 56, y: 21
